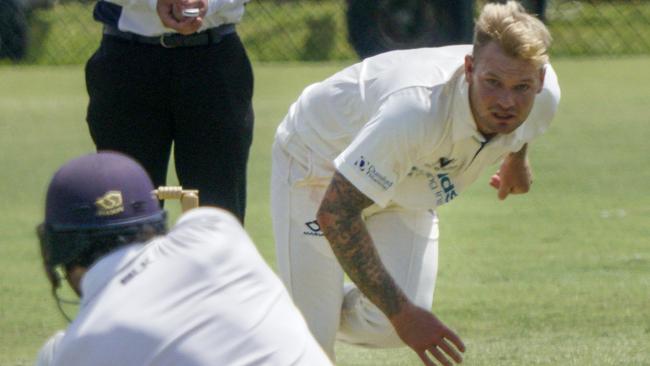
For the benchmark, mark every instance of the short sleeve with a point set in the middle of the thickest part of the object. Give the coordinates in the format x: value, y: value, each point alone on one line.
x: 383, y: 152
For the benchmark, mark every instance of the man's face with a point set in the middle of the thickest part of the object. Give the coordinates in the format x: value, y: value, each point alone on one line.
x: 502, y: 89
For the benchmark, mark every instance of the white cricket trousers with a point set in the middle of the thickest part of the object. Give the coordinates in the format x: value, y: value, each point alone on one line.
x: 406, y: 240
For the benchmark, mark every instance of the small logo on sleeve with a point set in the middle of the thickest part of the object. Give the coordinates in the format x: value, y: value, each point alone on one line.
x: 361, y: 164
x: 371, y: 172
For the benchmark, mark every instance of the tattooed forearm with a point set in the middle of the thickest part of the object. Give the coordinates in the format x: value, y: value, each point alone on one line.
x: 340, y: 219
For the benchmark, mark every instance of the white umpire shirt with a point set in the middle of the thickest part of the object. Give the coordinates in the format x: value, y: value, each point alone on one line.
x: 399, y: 126
x: 141, y: 16
x: 199, y: 296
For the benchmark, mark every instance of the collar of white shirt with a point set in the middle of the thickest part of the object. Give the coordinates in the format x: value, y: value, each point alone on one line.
x: 105, y: 269
x: 463, y: 120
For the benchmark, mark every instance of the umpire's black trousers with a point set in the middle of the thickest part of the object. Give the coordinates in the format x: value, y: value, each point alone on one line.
x: 145, y: 98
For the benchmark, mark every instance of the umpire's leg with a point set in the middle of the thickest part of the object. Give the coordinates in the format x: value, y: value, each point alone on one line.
x: 213, y: 118
x: 128, y: 110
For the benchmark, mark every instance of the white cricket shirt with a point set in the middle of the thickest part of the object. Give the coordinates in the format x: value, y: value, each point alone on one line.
x: 201, y: 295
x: 399, y: 126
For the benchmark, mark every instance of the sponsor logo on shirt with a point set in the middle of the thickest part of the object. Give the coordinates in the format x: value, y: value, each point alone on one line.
x: 448, y: 192
x: 440, y: 184
x: 371, y: 172
x: 314, y: 228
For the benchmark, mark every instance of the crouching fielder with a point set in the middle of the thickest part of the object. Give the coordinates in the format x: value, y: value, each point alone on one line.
x: 199, y: 295
x: 363, y: 158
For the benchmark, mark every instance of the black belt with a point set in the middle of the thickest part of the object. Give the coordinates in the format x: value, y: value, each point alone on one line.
x: 171, y: 40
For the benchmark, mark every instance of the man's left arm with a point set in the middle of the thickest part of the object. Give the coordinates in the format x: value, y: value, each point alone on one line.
x: 515, y: 175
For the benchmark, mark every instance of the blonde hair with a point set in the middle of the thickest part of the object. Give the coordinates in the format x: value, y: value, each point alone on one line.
x: 519, y: 34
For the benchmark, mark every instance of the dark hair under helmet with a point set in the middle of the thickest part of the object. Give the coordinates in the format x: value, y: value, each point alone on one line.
x: 95, y: 193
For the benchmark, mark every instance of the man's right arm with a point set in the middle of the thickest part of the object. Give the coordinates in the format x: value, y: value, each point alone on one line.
x: 169, y: 12
x: 339, y: 217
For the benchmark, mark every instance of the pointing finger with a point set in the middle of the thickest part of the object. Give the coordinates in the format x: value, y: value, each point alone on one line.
x: 495, y: 181
x: 504, y: 191
x: 425, y: 359
x: 455, y: 339
x: 439, y: 356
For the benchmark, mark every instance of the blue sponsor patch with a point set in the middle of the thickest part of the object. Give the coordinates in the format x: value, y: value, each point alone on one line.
x: 371, y: 172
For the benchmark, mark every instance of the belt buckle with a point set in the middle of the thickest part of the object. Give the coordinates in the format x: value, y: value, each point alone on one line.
x: 162, y: 41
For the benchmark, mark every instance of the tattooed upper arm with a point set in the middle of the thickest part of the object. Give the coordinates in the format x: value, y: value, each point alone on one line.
x: 343, y: 198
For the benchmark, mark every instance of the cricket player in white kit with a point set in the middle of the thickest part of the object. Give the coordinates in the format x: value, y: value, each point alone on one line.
x: 363, y: 158
x: 201, y: 295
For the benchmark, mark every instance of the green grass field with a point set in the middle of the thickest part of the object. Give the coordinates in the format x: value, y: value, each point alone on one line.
x: 560, y: 276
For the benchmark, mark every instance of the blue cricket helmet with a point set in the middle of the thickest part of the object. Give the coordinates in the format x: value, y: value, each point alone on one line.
x: 105, y: 192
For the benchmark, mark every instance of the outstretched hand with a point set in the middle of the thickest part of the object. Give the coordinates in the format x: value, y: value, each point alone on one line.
x: 514, y: 177
x: 427, y: 336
